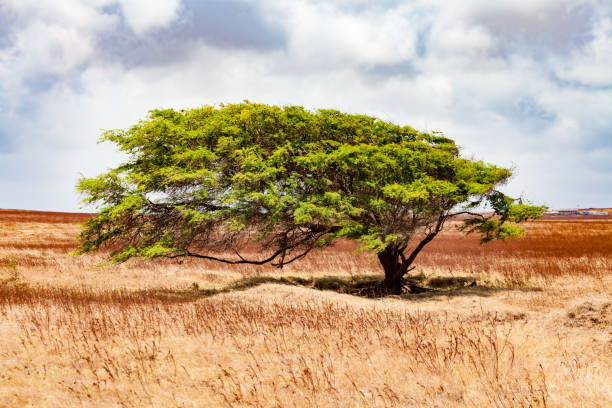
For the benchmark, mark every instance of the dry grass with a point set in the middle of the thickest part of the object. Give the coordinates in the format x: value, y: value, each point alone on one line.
x: 533, y: 332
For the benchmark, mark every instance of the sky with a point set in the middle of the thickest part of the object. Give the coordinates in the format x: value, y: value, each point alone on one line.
x: 525, y: 84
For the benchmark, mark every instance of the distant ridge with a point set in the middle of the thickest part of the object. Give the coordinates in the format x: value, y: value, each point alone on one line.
x: 8, y: 215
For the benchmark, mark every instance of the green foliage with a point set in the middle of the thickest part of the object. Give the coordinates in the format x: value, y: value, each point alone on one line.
x: 206, y: 180
x: 507, y: 212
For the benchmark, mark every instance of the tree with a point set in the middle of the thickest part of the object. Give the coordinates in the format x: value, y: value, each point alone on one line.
x: 211, y: 181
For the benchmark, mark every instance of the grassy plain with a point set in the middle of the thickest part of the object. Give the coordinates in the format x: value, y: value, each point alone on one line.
x: 526, y: 323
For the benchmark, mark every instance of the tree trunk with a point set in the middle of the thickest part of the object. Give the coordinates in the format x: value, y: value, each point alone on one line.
x: 389, y: 259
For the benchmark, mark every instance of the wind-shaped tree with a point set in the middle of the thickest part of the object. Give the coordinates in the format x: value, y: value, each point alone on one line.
x: 208, y: 182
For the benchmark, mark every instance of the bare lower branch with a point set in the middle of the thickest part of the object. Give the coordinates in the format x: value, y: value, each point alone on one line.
x: 233, y: 262
x: 295, y: 258
x: 466, y: 212
x: 406, y: 262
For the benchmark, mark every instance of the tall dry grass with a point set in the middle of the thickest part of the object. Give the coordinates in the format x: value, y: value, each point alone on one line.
x: 552, y: 247
x: 534, y: 332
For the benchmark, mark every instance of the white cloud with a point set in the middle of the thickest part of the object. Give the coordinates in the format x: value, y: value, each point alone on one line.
x: 144, y: 15
x: 593, y: 66
x: 457, y: 39
x: 322, y: 36
x: 50, y: 49
x: 50, y: 39
x: 446, y: 73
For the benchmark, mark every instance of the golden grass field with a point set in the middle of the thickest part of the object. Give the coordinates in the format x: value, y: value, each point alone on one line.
x: 526, y: 323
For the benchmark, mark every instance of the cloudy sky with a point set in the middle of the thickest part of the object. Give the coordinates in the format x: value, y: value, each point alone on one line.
x: 521, y: 83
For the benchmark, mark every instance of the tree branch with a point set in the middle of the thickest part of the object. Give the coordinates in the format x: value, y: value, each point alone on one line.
x: 406, y: 262
x: 466, y: 212
x: 295, y: 258
x: 241, y: 261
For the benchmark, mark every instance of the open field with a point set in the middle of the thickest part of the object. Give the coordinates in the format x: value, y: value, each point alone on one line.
x: 526, y: 323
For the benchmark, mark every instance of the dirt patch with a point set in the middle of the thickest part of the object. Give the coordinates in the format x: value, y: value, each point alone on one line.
x: 591, y: 314
x: 498, y: 317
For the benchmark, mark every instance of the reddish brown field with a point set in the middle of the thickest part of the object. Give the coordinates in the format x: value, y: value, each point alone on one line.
x: 526, y: 323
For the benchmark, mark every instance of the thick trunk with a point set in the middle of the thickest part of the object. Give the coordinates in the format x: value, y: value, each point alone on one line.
x: 389, y: 259
x: 394, y: 283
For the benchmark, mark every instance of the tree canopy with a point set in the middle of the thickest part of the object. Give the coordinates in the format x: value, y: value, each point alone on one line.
x: 209, y: 182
